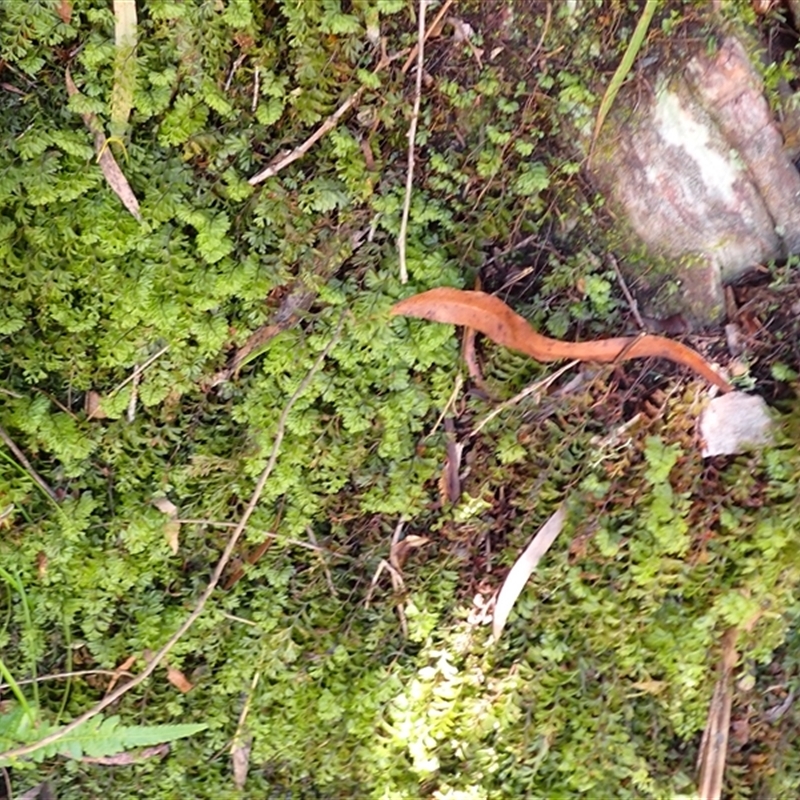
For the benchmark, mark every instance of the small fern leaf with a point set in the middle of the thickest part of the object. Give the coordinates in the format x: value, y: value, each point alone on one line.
x: 106, y: 737
x: 96, y: 738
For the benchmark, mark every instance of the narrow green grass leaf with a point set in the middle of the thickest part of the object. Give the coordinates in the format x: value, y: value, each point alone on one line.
x: 624, y: 67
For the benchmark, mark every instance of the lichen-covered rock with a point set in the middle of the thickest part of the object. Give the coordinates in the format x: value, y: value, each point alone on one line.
x: 699, y: 174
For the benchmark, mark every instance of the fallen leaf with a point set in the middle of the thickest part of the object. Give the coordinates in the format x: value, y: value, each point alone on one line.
x: 462, y: 31
x: 714, y: 744
x: 240, y: 760
x: 493, y: 318
x: 179, y: 680
x: 42, y: 791
x: 523, y: 567
x: 64, y: 11
x: 172, y: 533
x: 450, y: 482
x: 166, y: 506
x: 92, y: 405
x: 470, y: 356
x: 123, y: 667
x: 172, y: 528
x: 401, y: 549
x: 108, y: 165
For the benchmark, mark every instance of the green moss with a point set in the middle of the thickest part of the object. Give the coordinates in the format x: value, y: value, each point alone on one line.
x: 602, y: 681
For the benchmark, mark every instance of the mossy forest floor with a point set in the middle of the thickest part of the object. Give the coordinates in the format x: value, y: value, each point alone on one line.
x: 149, y: 366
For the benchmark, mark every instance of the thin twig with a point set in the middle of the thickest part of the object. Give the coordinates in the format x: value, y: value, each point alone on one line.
x: 448, y: 405
x: 9, y: 443
x: 397, y: 537
x: 634, y: 306
x: 212, y: 584
x: 269, y: 535
x: 236, y: 64
x: 240, y: 741
x: 412, y: 137
x: 234, y: 618
x: 315, y: 546
x: 299, y: 152
x: 135, y: 375
x: 60, y: 676
x: 533, y: 388
x: 255, y: 91
x: 282, y: 161
x: 545, y: 28
x: 431, y: 28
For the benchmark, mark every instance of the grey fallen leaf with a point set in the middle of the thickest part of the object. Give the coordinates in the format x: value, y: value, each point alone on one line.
x: 462, y: 31
x: 735, y: 339
x: 523, y: 567
x: 240, y: 759
x: 734, y: 423
x: 166, y: 506
x: 42, y: 791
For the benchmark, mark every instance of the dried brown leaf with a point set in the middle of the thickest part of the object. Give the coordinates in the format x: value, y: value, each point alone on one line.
x: 108, y: 165
x: 166, y: 506
x: 401, y: 549
x: 450, y: 482
x: 64, y: 11
x: 179, y: 680
x: 122, y: 668
x: 93, y: 405
x: 172, y: 533
x: 493, y: 318
x: 172, y: 528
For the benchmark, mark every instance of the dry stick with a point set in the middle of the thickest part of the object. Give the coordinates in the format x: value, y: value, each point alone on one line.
x: 137, y: 372
x: 537, y: 386
x: 135, y: 376
x: 628, y: 296
x: 431, y: 28
x: 215, y: 577
x: 255, y: 91
x: 9, y: 442
x: 412, y: 136
x: 547, y: 18
x: 238, y: 740
x: 59, y: 676
x: 283, y: 161
x: 299, y: 152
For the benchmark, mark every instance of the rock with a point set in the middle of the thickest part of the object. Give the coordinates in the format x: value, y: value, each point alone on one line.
x: 734, y: 423
x: 699, y: 175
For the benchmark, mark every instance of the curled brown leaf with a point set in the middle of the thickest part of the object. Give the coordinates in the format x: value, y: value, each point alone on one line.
x: 493, y: 318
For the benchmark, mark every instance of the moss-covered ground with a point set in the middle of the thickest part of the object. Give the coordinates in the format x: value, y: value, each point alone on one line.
x: 146, y: 366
